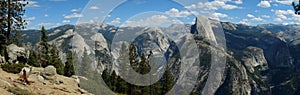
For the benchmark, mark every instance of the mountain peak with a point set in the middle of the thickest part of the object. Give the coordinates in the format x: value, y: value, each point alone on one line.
x: 203, y: 28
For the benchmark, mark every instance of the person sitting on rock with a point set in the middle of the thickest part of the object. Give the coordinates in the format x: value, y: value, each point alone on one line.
x: 24, y: 74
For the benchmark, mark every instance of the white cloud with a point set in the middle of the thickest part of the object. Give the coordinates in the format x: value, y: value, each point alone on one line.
x: 76, y: 10
x: 253, y: 18
x: 282, y: 17
x: 275, y: 5
x: 286, y: 2
x: 115, y: 21
x: 219, y: 15
x: 286, y: 16
x: 272, y: 10
x: 66, y: 21
x: 32, y: 4
x: 238, y: 2
x: 74, y: 15
x: 58, y: 0
x: 265, y: 16
x: 46, y: 15
x: 250, y: 16
x: 30, y: 18
x: 244, y: 21
x: 264, y: 4
x: 295, y: 18
x: 94, y: 7
x: 232, y: 1
x: 257, y: 19
x: 176, y: 13
x: 213, y: 5
x: 155, y: 20
x: 219, y: 4
x: 282, y: 14
x: 193, y: 6
x: 47, y: 25
x: 278, y: 20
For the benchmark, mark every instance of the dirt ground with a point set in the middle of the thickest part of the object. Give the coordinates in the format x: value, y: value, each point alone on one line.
x: 68, y: 86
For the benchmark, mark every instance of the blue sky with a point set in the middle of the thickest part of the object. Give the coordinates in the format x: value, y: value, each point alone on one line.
x: 52, y: 13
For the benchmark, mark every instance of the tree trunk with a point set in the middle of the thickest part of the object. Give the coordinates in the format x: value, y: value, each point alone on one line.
x: 8, y: 22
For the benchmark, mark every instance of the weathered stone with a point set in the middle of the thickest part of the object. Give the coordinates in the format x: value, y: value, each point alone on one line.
x: 41, y: 79
x: 254, y: 58
x: 49, y: 73
x: 17, y: 54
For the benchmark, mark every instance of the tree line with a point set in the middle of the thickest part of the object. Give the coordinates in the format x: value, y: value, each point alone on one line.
x: 48, y: 54
x: 119, y: 85
x: 12, y: 22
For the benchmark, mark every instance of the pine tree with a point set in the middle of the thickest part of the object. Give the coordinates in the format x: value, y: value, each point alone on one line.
x: 32, y: 60
x: 144, y: 66
x: 156, y: 89
x: 134, y: 62
x: 86, y: 69
x: 44, y: 49
x: 11, y: 13
x: 11, y: 22
x: 167, y: 80
x: 133, y: 57
x: 125, y: 65
x: 56, y: 61
x: 69, y: 67
x: 75, y: 61
x: 106, y: 77
x: 122, y: 85
x: 113, y: 81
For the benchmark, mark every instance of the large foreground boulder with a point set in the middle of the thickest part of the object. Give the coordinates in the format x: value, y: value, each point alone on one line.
x: 17, y: 54
x: 49, y: 73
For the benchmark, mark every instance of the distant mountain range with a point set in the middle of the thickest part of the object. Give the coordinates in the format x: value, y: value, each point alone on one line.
x: 262, y: 59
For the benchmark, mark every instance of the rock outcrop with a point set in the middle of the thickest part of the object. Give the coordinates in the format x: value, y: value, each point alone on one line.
x: 254, y: 59
x: 49, y: 73
x: 17, y: 54
x: 203, y: 27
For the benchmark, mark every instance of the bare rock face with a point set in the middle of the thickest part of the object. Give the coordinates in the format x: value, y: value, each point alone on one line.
x: 254, y: 58
x: 203, y: 28
x: 295, y: 52
x: 239, y: 79
x: 17, y: 54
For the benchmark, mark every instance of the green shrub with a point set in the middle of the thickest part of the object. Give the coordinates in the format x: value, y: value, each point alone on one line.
x: 33, y: 61
x: 12, y: 68
x: 18, y: 91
